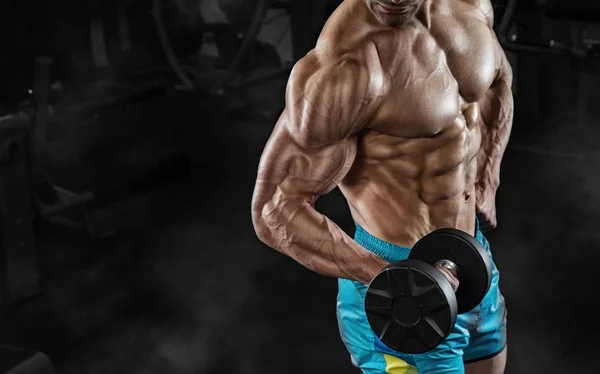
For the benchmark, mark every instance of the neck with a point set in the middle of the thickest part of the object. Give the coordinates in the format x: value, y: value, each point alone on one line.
x: 424, y: 14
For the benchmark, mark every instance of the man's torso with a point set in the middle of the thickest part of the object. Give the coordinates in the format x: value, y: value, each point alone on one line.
x: 416, y: 166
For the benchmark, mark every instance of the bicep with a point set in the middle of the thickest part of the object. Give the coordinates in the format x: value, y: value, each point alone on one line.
x: 314, y: 142
x: 333, y: 103
x: 291, y: 168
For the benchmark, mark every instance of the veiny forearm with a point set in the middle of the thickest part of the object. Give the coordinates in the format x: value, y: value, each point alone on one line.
x: 310, y: 150
x: 292, y: 226
x: 497, y: 120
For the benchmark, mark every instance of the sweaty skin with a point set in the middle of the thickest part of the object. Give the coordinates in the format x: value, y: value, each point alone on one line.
x: 410, y: 122
x: 406, y: 106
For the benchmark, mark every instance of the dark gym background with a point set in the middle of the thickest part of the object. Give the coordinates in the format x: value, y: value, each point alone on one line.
x: 130, y: 137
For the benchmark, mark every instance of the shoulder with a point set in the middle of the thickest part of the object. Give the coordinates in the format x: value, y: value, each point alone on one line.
x: 336, y: 88
x: 484, y: 7
x: 325, y: 76
x: 330, y: 99
x: 320, y: 72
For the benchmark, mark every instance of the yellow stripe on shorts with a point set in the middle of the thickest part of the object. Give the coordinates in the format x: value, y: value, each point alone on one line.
x: 394, y: 365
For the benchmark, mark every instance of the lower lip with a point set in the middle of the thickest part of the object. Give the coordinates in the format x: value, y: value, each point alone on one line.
x: 393, y: 10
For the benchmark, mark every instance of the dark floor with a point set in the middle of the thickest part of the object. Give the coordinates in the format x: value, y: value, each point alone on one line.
x: 185, y: 286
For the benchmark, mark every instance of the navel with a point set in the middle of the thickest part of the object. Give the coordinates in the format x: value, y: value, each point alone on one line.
x: 467, y: 196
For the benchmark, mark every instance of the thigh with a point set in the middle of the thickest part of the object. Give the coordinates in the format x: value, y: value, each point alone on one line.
x: 493, y: 365
x: 366, y: 351
x: 488, y: 335
x: 369, y: 354
x: 447, y: 358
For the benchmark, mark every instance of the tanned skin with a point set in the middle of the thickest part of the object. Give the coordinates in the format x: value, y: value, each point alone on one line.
x: 406, y: 106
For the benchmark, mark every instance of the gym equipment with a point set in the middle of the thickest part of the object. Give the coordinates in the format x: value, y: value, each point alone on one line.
x: 577, y: 24
x: 19, y: 272
x: 410, y: 304
x: 579, y: 11
x: 545, y: 152
x: 145, y: 90
x: 247, y: 45
x: 53, y: 200
x: 28, y: 193
x: 251, y: 34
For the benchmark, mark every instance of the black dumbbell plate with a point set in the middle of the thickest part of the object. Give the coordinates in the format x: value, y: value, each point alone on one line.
x: 411, y: 306
x: 475, y: 268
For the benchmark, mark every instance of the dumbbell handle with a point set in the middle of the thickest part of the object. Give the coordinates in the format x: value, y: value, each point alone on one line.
x: 450, y: 267
x: 447, y: 264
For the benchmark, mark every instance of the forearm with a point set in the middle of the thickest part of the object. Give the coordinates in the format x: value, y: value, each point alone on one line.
x: 496, y: 127
x: 293, y: 227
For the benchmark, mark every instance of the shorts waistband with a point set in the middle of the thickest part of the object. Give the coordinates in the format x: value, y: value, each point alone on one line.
x: 392, y: 252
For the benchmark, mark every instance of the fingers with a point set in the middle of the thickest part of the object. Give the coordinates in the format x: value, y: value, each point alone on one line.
x: 485, y: 224
x: 451, y: 276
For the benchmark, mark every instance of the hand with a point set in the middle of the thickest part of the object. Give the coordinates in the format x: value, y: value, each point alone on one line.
x: 486, y: 207
x: 452, y: 277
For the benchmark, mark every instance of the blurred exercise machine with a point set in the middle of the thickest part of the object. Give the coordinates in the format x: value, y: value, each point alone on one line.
x: 537, y: 34
x: 28, y: 193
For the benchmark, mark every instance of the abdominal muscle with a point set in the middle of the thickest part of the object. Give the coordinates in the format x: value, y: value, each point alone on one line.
x: 399, y: 190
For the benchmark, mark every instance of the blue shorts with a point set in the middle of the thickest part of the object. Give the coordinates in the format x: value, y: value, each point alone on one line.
x: 477, y: 335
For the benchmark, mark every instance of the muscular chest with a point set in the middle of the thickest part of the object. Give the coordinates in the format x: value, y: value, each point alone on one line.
x: 467, y: 43
x: 445, y: 68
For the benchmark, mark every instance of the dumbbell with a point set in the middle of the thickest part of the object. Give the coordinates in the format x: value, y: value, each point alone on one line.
x: 411, y: 305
